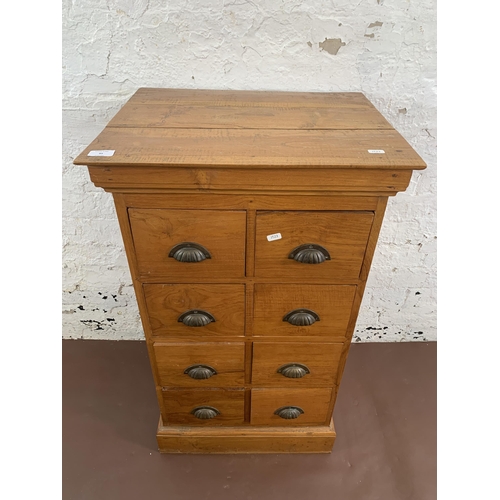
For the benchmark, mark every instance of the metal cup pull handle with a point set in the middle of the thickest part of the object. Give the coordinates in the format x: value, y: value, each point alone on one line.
x: 200, y: 372
x: 205, y: 412
x: 289, y: 412
x: 294, y: 370
x: 189, y: 252
x: 196, y: 317
x: 301, y: 317
x: 310, y: 254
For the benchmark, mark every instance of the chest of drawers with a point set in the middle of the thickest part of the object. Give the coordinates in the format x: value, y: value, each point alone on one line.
x: 249, y: 220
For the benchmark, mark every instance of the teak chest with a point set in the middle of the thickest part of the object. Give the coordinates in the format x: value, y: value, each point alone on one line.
x: 250, y: 220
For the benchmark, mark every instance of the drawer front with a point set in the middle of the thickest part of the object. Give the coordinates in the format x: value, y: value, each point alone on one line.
x: 340, y: 238
x: 295, y: 364
x: 189, y: 244
x: 187, y: 310
x: 200, y: 364
x: 207, y: 407
x: 309, y: 310
x: 289, y: 407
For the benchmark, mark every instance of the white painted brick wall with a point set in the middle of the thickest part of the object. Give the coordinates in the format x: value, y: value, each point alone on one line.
x: 383, y: 48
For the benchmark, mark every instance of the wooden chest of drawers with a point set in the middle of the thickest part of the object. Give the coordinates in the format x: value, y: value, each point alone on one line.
x: 250, y: 220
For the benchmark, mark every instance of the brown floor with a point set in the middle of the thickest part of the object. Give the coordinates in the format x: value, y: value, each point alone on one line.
x: 385, y: 419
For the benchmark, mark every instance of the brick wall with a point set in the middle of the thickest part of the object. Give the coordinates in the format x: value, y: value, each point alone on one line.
x: 385, y: 49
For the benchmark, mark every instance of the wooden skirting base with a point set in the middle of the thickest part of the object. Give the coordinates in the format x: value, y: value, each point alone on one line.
x: 318, y: 439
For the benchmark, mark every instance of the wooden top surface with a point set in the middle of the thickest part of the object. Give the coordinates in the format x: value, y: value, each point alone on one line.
x: 219, y: 128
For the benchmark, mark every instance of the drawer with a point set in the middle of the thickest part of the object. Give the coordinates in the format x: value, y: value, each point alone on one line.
x: 295, y: 364
x: 200, y: 364
x: 288, y: 407
x: 205, y: 407
x: 312, y: 245
x: 189, y: 244
x: 310, y: 310
x: 196, y: 309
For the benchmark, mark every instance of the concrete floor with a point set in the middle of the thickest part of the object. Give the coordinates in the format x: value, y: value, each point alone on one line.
x: 385, y: 418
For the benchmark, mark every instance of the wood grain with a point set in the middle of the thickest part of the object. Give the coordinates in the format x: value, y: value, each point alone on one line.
x: 229, y: 116
x: 234, y: 147
x: 343, y: 234
x: 314, y: 403
x: 319, y: 280
x: 313, y: 439
x: 225, y: 169
x: 161, y: 126
x: 241, y: 180
x: 157, y: 231
x: 273, y: 301
x: 227, y: 358
x: 122, y: 215
x: 372, y: 243
x: 248, y: 98
x: 178, y: 108
x: 249, y: 288
x: 166, y: 303
x: 179, y: 403
x: 320, y: 358
x: 275, y: 201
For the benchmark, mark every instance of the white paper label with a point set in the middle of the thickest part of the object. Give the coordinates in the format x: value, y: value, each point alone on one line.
x: 376, y: 151
x: 102, y: 152
x: 275, y: 236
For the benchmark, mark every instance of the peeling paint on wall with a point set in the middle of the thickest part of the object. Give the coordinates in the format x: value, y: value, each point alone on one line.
x: 331, y: 45
x: 391, y: 58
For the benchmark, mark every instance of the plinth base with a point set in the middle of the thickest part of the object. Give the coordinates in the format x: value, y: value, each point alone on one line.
x: 318, y: 439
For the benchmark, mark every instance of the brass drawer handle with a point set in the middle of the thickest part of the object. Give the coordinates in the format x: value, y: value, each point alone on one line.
x: 200, y: 372
x: 310, y: 254
x: 289, y: 412
x: 294, y: 370
x: 301, y: 317
x: 196, y: 317
x: 189, y: 252
x: 205, y: 412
